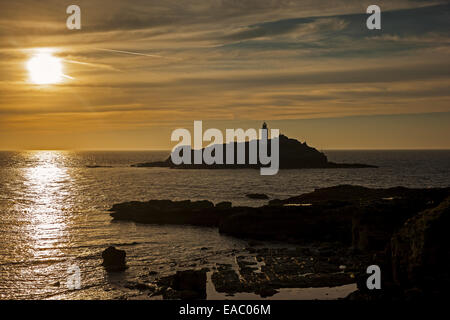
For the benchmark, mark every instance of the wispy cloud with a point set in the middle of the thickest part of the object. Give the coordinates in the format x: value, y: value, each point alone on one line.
x: 151, y: 62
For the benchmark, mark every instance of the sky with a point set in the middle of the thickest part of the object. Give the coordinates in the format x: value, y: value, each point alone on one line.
x: 137, y: 70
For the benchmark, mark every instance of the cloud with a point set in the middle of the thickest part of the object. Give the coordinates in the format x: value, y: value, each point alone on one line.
x: 222, y: 59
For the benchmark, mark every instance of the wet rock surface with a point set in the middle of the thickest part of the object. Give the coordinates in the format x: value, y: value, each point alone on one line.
x: 265, y: 270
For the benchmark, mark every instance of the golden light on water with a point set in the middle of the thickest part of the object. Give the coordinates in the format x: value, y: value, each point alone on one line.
x: 45, y: 186
x: 44, y: 68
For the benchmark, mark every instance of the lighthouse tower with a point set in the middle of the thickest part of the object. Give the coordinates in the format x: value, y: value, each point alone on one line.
x: 264, y: 125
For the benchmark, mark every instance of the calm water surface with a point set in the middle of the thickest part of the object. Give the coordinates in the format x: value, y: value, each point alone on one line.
x: 53, y: 212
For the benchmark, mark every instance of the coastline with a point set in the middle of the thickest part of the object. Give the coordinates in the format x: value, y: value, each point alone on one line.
x: 336, y: 232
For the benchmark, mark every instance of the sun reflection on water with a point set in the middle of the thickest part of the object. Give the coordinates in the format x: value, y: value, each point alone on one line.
x: 46, y: 187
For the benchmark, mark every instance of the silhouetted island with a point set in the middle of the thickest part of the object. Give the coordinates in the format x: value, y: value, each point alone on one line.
x: 293, y: 155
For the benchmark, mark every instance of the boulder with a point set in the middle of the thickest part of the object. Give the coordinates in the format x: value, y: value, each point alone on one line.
x: 114, y: 259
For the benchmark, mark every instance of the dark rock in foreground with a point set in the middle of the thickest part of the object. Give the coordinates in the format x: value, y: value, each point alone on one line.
x: 300, y: 267
x: 349, y: 214
x: 415, y: 263
x: 185, y: 285
x: 293, y: 155
x: 114, y: 259
x: 201, y: 213
x: 420, y: 251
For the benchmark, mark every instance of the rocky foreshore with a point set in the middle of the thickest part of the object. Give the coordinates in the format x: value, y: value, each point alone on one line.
x: 399, y: 229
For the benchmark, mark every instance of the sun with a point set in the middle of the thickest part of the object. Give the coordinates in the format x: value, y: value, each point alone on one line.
x: 44, y: 68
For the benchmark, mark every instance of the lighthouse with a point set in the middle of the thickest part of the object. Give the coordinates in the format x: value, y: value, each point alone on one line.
x: 264, y: 125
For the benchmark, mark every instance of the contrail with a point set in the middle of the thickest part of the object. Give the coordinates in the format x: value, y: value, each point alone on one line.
x: 134, y: 53
x: 95, y: 65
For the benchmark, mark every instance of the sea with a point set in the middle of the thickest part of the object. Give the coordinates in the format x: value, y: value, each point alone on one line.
x: 54, y: 218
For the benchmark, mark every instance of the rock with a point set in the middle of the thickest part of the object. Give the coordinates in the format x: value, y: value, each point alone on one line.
x: 383, y: 211
x: 140, y: 286
x: 259, y: 196
x: 266, y: 292
x: 347, y: 214
x: 420, y: 251
x: 201, y: 213
x: 374, y: 223
x: 224, y: 205
x: 254, y: 243
x: 114, y: 259
x: 189, y: 284
x: 275, y: 202
x: 416, y: 261
x: 413, y: 294
x: 313, y: 223
x: 226, y: 280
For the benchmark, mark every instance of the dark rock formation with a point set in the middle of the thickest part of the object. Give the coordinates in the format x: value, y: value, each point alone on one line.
x: 114, y: 259
x: 293, y: 155
x: 304, y: 267
x: 258, y: 196
x: 224, y: 205
x: 367, y: 217
x: 185, y: 285
x: 201, y: 213
x: 415, y: 262
x: 420, y: 251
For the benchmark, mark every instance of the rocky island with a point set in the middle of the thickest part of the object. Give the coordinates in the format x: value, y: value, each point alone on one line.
x: 293, y: 154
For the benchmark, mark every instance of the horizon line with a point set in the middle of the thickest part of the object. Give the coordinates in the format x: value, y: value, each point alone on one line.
x: 168, y: 150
